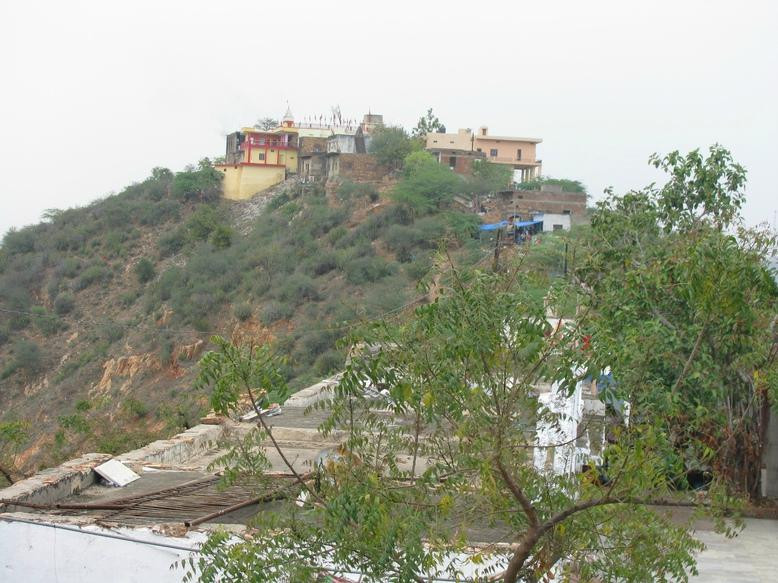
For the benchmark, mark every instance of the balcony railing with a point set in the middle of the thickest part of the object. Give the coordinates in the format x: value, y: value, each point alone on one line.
x: 262, y: 143
x: 510, y: 160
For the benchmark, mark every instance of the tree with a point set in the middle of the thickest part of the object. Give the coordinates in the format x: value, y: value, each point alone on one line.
x: 428, y: 123
x: 266, y: 123
x: 683, y: 304
x: 489, y: 177
x: 390, y: 145
x: 426, y: 185
x: 202, y: 183
x: 402, y: 497
x: 675, y: 307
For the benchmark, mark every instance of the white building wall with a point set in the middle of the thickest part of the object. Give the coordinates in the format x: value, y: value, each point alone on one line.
x: 36, y: 553
x: 550, y: 457
x: 551, y: 219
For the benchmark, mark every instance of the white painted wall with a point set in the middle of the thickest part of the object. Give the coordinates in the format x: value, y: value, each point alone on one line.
x: 551, y: 219
x: 569, y: 411
x: 34, y: 553
x: 41, y: 554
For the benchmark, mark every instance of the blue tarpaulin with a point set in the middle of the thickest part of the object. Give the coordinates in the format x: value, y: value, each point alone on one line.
x: 501, y: 224
x: 494, y: 226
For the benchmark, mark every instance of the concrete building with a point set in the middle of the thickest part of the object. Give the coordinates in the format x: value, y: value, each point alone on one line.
x: 255, y: 160
x: 517, y: 152
x: 525, y: 205
x: 553, y: 221
x: 329, y: 151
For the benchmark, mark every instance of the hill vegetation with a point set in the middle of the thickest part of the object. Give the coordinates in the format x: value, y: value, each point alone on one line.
x: 104, y: 309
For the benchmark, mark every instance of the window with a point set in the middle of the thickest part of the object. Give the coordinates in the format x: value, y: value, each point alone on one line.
x: 518, y: 154
x: 478, y: 149
x: 493, y: 152
x: 261, y: 156
x: 452, y: 162
x: 566, y: 212
x: 558, y: 227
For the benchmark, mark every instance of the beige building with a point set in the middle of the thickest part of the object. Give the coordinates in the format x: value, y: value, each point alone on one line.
x: 519, y: 153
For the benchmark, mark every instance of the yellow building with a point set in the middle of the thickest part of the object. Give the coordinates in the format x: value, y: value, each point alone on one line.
x: 256, y: 160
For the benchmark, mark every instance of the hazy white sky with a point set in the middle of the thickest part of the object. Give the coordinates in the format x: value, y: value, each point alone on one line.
x: 95, y: 94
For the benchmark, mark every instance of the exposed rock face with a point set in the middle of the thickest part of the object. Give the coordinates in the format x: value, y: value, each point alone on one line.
x: 127, y: 367
x: 34, y: 388
x: 189, y: 351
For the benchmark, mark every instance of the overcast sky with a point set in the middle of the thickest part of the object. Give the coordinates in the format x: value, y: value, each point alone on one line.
x: 95, y: 94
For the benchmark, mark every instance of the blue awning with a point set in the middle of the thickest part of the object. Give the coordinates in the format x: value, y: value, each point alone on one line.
x: 494, y: 226
x: 501, y: 224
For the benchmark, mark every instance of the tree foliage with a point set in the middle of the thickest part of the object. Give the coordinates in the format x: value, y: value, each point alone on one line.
x: 202, y: 183
x: 144, y: 270
x: 684, y: 306
x: 426, y: 185
x: 490, y: 177
x: 567, y: 184
x: 266, y: 123
x: 428, y: 123
x: 674, y: 302
x: 390, y: 145
x: 403, y: 498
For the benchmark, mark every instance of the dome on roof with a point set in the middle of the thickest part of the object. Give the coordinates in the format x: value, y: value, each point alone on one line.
x: 288, y: 115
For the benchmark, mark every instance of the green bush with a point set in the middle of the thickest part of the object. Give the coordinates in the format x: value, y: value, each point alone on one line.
x: 278, y: 201
x: 48, y: 324
x: 171, y: 243
x: 64, y: 303
x: 203, y: 222
x: 402, y: 240
x: 321, y: 263
x: 19, y: 241
x: 242, y: 311
x: 367, y: 269
x: 110, y: 332
x: 135, y: 408
x: 419, y: 267
x: 28, y: 356
x: 336, y: 234
x: 126, y: 299
x: 320, y: 219
x: 350, y: 191
x: 68, y: 267
x: 274, y: 311
x: 144, y: 270
x: 328, y: 363
x: 221, y: 237
x: 91, y: 275
x: 297, y: 289
x: 203, y: 183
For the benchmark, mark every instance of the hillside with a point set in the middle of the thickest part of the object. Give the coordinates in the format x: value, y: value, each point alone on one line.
x: 105, y: 309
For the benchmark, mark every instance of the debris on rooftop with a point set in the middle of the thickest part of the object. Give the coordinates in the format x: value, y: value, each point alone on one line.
x: 116, y: 473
